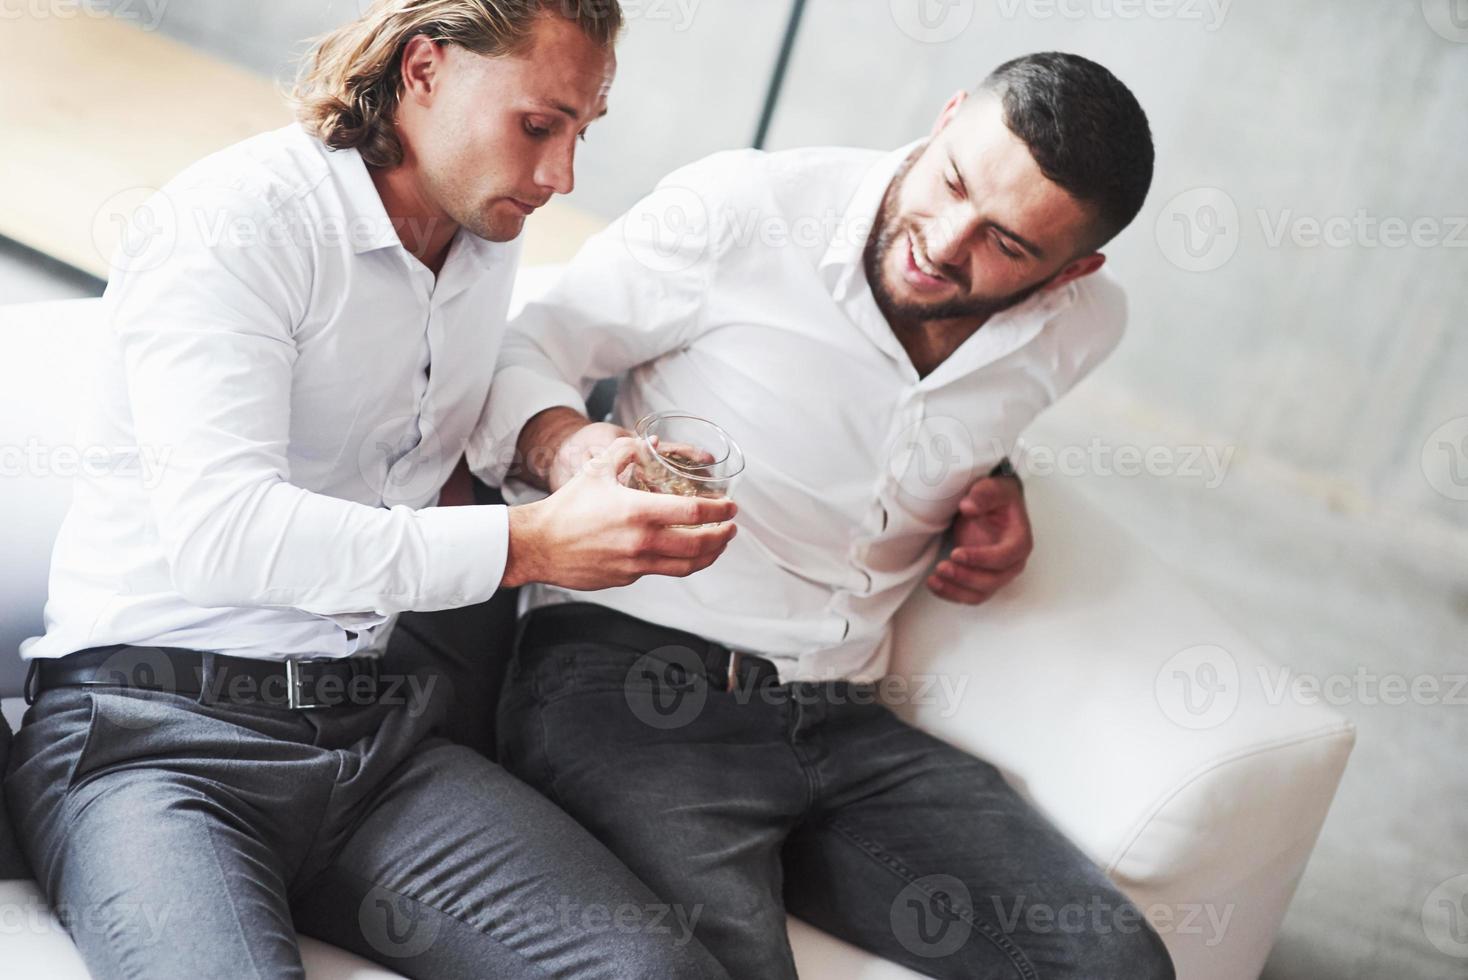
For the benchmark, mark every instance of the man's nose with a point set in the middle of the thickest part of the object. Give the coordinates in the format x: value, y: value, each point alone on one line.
x: 948, y: 235
x: 557, y: 170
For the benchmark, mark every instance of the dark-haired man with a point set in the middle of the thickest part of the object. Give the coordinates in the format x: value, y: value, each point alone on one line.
x: 874, y: 330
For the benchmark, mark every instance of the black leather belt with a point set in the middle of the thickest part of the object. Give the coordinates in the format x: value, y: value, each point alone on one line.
x: 295, y: 683
x: 585, y: 622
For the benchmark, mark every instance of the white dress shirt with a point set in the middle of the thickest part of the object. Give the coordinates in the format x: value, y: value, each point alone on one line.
x: 736, y: 292
x: 266, y: 363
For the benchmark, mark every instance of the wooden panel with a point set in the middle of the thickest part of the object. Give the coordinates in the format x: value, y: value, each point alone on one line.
x: 95, y: 112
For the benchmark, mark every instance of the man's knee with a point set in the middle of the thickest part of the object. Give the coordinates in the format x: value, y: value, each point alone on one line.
x: 1134, y: 952
x: 681, y: 959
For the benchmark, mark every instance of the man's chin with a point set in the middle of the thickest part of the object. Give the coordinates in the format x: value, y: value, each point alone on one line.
x: 498, y: 229
x: 912, y: 304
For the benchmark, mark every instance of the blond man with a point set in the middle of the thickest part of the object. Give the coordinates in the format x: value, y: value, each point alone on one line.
x: 216, y: 756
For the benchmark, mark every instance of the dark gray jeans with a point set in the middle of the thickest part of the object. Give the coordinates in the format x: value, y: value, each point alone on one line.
x: 182, y: 841
x: 816, y: 800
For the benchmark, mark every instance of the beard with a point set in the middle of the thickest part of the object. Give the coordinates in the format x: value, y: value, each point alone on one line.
x: 889, y: 233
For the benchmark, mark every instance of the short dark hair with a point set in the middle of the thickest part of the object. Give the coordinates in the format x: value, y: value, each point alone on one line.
x: 1084, y: 128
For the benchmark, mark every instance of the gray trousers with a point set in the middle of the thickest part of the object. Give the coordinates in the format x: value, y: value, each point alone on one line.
x: 179, y: 839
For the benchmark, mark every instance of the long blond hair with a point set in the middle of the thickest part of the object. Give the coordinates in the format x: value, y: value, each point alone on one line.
x: 347, y: 91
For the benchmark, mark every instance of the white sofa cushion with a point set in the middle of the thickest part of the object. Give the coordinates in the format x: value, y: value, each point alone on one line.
x: 1071, y: 686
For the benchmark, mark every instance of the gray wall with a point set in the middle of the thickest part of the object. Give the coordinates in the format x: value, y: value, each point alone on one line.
x: 1332, y: 364
x: 1337, y: 362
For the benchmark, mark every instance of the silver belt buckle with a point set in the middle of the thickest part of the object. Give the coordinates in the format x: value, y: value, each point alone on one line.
x: 293, y: 698
x: 733, y: 679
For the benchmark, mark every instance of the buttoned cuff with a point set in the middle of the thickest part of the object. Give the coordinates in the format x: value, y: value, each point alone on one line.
x: 467, y: 548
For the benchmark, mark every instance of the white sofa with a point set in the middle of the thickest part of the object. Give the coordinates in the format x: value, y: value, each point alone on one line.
x: 1074, y: 682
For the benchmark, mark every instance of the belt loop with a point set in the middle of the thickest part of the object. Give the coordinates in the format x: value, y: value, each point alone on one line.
x: 206, y: 678
x: 733, y: 679
x: 32, y: 678
x: 521, y: 625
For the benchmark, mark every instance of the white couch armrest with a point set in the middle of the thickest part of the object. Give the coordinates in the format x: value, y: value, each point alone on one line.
x: 1153, y: 734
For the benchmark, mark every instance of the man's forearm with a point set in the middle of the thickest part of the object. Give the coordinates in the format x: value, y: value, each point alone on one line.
x: 541, y: 440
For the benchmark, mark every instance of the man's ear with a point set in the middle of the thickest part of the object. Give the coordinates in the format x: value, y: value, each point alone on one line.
x: 950, y: 109
x: 422, y: 62
x: 1077, y: 269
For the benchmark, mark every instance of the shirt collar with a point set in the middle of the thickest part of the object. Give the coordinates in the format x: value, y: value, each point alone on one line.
x: 370, y: 228
x: 367, y: 223
x: 843, y: 258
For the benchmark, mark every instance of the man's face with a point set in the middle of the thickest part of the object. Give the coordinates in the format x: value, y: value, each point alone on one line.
x: 971, y: 226
x: 495, y: 138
